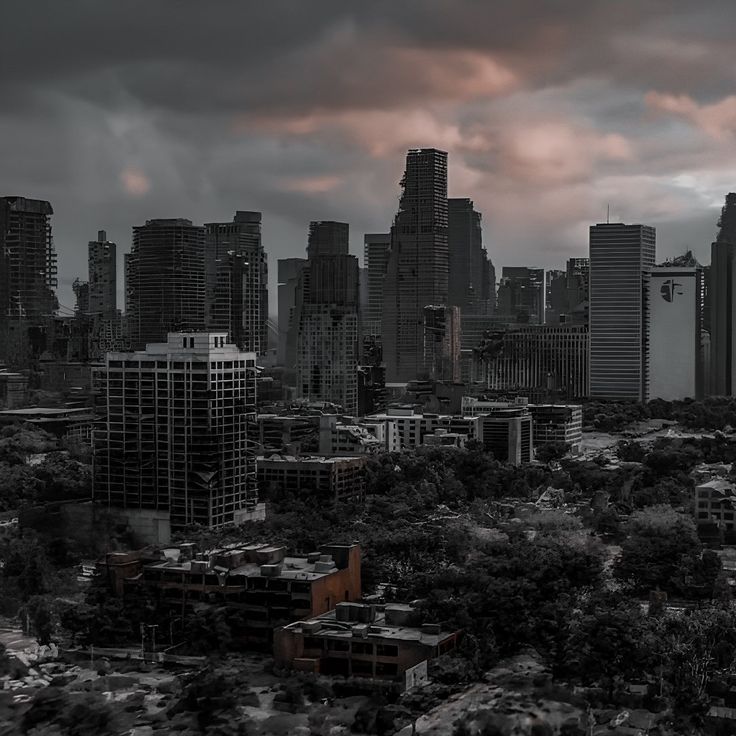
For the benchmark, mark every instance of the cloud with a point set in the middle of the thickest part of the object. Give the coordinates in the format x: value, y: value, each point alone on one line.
x: 717, y: 119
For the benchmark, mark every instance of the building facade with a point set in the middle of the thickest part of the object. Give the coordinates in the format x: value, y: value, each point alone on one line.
x: 376, y: 247
x: 673, y: 314
x: 417, y: 273
x: 541, y: 359
x: 164, y: 281
x: 508, y: 433
x: 237, y: 281
x: 175, y: 435
x: 621, y: 259
x: 105, y: 322
x: 442, y: 343
x: 328, y: 337
x: 521, y: 294
x: 28, y: 278
x: 289, y: 276
x: 558, y: 423
x: 721, y: 305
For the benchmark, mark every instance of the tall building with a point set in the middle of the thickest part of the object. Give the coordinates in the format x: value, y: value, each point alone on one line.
x: 578, y: 290
x: 521, y: 294
x: 417, y: 273
x: 105, y: 324
x: 237, y: 281
x: 173, y: 446
x: 721, y: 307
x: 27, y: 278
x: 442, y: 343
x: 621, y: 258
x: 164, y: 280
x: 673, y: 332
x: 289, y: 276
x: 555, y: 296
x: 327, y: 354
x: 471, y: 279
x: 376, y: 247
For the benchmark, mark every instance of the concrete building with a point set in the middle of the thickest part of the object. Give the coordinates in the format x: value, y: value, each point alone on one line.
x: 673, y: 329
x: 13, y: 389
x: 60, y: 421
x: 164, y: 281
x: 289, y: 276
x: 260, y: 582
x: 715, y: 504
x: 417, y: 273
x: 507, y: 433
x: 105, y: 322
x: 442, y: 342
x: 521, y: 294
x: 407, y: 428
x: 387, y: 644
x: 472, y: 277
x: 327, y: 355
x: 721, y: 304
x: 334, y: 479
x: 27, y: 279
x: 541, y: 360
x: 621, y: 259
x: 558, y: 423
x: 174, y: 440
x: 237, y: 281
x: 375, y: 261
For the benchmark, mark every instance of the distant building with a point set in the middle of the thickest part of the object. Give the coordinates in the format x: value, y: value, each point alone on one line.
x: 521, y: 294
x: 62, y: 422
x: 334, y: 479
x: 472, y: 279
x: 417, y: 273
x: 164, y: 281
x: 327, y: 354
x: 359, y: 641
x: 721, y: 303
x: 105, y: 322
x: 540, y: 360
x: 715, y: 503
x: 558, y: 423
x: 237, y: 281
x: 267, y: 587
x: 174, y: 439
x: 673, y: 313
x: 13, y: 389
x: 289, y: 276
x: 621, y: 258
x: 27, y: 279
x: 375, y: 261
x: 556, y: 296
x: 507, y: 433
x: 442, y: 342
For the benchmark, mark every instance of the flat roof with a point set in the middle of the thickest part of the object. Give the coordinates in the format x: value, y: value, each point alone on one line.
x: 42, y: 411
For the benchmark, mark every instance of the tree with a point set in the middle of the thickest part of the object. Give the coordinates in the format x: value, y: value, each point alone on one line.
x: 659, y: 542
x: 550, y: 452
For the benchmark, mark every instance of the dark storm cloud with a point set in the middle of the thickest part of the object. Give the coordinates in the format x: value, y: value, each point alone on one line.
x: 122, y: 111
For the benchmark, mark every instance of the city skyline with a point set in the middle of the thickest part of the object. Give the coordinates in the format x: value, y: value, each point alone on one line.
x: 627, y: 108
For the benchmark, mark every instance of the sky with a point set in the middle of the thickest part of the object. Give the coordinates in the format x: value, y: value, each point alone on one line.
x: 553, y: 114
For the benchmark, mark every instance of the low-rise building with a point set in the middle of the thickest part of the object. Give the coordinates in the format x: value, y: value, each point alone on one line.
x: 558, y: 423
x: 715, y: 502
x: 443, y: 438
x: 13, y: 389
x: 265, y: 585
x: 59, y: 421
x: 333, y: 478
x: 359, y: 640
x: 508, y: 434
x: 407, y: 428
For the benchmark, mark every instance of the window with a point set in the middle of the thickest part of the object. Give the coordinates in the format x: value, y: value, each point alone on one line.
x: 387, y: 650
x: 337, y: 645
x: 362, y: 647
x: 387, y: 668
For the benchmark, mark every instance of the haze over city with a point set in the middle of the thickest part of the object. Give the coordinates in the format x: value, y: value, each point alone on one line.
x: 551, y: 113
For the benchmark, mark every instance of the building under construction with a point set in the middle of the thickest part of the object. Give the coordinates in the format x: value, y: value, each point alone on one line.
x: 174, y: 443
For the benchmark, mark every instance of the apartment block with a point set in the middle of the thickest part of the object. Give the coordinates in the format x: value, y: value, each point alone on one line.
x: 386, y: 644
x: 335, y: 479
x: 261, y: 582
x: 558, y: 423
x: 174, y: 438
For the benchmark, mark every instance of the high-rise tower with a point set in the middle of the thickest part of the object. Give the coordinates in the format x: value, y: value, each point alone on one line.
x: 27, y: 278
x: 237, y: 281
x: 328, y: 332
x: 417, y: 273
x: 164, y: 280
x: 721, y: 302
x: 375, y: 261
x: 621, y: 257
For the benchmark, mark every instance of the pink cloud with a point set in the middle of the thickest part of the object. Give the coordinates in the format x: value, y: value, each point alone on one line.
x: 134, y: 181
x: 311, y: 184
x: 717, y: 120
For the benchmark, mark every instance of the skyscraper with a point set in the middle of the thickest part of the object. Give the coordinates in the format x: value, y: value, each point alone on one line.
x: 471, y: 276
x: 105, y: 325
x: 237, y: 281
x: 165, y: 280
x: 721, y: 303
x: 327, y: 354
x: 621, y: 257
x: 289, y: 275
x: 27, y: 278
x: 417, y: 273
x: 173, y: 445
x: 375, y: 260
